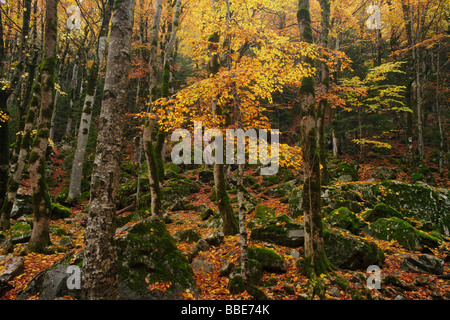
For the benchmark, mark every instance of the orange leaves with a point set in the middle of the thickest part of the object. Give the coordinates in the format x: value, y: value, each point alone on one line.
x: 160, y: 285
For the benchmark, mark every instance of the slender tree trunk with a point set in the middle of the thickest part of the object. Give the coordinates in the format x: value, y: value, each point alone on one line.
x: 100, y: 265
x: 325, y: 83
x: 22, y: 158
x: 315, y: 262
x: 86, y: 116
x: 41, y: 197
x: 149, y: 151
x: 154, y: 50
x: 153, y: 172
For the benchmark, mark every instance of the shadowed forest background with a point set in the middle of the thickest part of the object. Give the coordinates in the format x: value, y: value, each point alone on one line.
x: 92, y: 205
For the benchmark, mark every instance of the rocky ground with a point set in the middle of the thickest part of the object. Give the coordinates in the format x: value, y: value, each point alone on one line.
x: 371, y: 221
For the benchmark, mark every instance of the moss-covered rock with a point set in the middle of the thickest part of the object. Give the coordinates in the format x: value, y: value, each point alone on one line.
x: 269, y: 259
x: 190, y: 235
x: 177, y: 189
x: 280, y: 230
x: 279, y: 191
x: 236, y: 284
x: 394, y: 229
x: 60, y: 212
x: 263, y: 213
x: 347, y: 251
x: 345, y: 219
x: 381, y: 210
x: 148, y: 254
x: 172, y: 167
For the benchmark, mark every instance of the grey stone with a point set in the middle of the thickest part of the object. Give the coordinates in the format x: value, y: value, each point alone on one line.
x: 423, y: 264
x: 13, y: 266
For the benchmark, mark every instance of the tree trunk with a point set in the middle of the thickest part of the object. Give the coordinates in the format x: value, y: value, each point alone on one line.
x: 325, y: 82
x: 315, y: 262
x: 99, y: 276
x: 154, y: 50
x: 16, y: 178
x: 40, y: 194
x: 86, y: 116
x: 153, y: 172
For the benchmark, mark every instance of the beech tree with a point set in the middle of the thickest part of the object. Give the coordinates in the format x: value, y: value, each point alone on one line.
x: 40, y: 193
x: 315, y: 261
x: 86, y: 115
x: 99, y: 277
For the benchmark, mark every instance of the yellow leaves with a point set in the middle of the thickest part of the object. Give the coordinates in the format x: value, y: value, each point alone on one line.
x: 376, y: 144
x: 3, y: 117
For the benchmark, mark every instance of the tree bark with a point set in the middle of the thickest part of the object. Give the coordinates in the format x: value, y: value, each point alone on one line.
x: 86, y: 116
x: 40, y: 194
x: 100, y: 265
x: 315, y: 262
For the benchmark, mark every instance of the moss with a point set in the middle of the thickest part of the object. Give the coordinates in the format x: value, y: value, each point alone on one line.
x: 394, y: 229
x: 269, y: 259
x: 263, y: 213
x: 381, y: 210
x: 59, y: 211
x: 345, y: 219
x: 166, y: 81
x: 152, y: 256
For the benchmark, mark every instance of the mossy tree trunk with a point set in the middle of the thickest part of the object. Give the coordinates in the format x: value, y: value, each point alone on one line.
x: 325, y: 83
x: 148, y: 146
x: 22, y: 158
x: 149, y: 150
x: 230, y: 221
x: 100, y: 265
x: 7, y: 91
x: 40, y: 194
x: 86, y: 116
x: 316, y: 261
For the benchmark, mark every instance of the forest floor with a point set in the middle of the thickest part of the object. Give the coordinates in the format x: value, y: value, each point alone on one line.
x: 290, y: 285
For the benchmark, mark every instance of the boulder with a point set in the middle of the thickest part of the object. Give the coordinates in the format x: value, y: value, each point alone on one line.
x: 280, y: 230
x: 215, y: 239
x: 423, y: 264
x: 345, y: 219
x: 200, y: 265
x: 206, y: 175
x: 60, y: 212
x: 23, y: 206
x: 148, y: 254
x: 384, y: 173
x: 269, y: 259
x: 190, y: 235
x: 347, y: 251
x: 255, y: 272
x: 394, y: 229
x: 51, y: 283
x: 10, y: 267
x: 263, y: 213
x: 279, y: 191
x: 381, y: 210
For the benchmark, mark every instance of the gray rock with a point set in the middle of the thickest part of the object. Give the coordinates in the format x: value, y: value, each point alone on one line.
x: 334, y: 292
x: 12, y: 267
x: 51, y: 283
x: 190, y: 235
x: 347, y: 251
x: 226, y: 269
x: 423, y: 264
x: 200, y: 265
x: 215, y: 239
x: 200, y: 246
x: 345, y: 178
